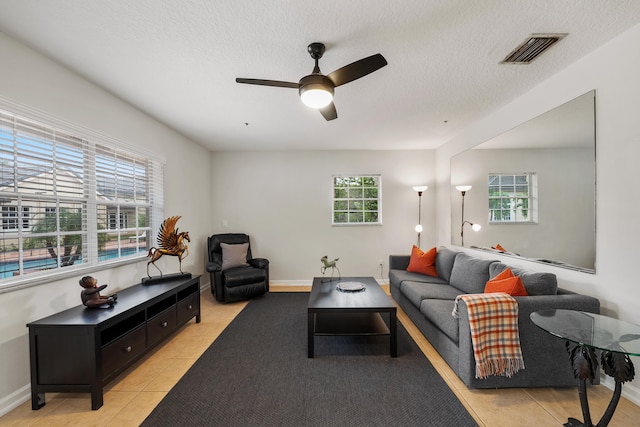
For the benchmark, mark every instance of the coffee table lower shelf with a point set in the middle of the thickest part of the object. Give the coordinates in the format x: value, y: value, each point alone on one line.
x: 355, y: 324
x: 335, y: 324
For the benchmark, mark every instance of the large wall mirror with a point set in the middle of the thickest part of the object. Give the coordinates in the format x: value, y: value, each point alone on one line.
x: 532, y: 189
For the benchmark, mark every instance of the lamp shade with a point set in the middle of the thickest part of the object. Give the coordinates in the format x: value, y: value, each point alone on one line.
x: 418, y: 228
x: 463, y: 187
x: 476, y: 227
x: 420, y: 188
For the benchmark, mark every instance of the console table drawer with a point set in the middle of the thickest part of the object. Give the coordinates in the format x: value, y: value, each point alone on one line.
x: 119, y: 352
x: 161, y: 325
x: 188, y: 307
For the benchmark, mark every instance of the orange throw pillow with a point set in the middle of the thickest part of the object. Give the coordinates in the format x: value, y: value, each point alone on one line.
x: 511, y: 285
x: 423, y: 262
x: 505, y: 274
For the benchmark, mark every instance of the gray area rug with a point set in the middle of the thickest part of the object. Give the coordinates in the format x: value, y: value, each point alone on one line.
x: 257, y: 373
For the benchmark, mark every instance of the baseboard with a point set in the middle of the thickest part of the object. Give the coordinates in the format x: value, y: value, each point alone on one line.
x: 309, y: 282
x: 15, y: 399
x: 204, y: 286
x: 291, y: 282
x: 629, y: 391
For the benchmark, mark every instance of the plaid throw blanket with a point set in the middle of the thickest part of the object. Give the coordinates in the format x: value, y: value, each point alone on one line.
x: 493, y: 319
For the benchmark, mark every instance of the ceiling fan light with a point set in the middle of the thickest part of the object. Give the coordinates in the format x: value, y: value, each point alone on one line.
x: 316, y: 97
x: 316, y: 91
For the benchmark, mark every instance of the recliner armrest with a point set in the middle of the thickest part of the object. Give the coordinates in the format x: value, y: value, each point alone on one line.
x: 259, y: 263
x: 212, y: 267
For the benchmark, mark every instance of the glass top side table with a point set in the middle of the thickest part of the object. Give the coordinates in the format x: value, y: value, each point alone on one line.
x: 584, y: 333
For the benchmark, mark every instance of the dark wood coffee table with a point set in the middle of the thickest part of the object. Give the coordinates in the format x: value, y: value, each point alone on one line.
x: 334, y: 312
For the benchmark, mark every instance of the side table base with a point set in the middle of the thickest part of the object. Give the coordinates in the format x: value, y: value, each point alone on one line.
x: 584, y: 362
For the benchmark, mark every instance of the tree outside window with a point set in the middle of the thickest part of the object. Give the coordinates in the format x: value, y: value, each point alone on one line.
x: 357, y: 199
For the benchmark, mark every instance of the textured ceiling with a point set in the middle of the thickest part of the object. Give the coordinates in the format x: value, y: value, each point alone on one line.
x: 178, y: 60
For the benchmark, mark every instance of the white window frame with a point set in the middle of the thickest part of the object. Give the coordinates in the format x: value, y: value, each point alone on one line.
x: 511, y: 195
x: 50, y: 167
x: 352, y: 200
x: 10, y: 219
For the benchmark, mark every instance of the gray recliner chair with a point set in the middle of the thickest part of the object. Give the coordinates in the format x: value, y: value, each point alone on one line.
x: 235, y: 274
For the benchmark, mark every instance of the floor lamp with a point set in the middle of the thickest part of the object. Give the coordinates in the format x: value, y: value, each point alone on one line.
x: 419, y: 189
x: 475, y: 227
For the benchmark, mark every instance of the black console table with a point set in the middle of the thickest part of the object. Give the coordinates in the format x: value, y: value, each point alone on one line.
x: 82, y: 349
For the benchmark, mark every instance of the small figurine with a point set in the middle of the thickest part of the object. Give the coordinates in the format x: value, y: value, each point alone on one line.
x: 329, y: 264
x: 91, y: 293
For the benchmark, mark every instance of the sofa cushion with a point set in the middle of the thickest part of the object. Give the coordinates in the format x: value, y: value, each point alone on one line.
x: 536, y: 283
x: 417, y: 291
x: 396, y: 277
x: 423, y: 262
x: 444, y: 262
x: 438, y: 312
x: 470, y: 274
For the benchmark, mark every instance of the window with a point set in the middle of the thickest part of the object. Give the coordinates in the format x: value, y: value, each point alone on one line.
x: 9, y: 218
x: 69, y: 201
x: 114, y: 223
x: 26, y: 217
x: 512, y: 198
x: 357, y: 199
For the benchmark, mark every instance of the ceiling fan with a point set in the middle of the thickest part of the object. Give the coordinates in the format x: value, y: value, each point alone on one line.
x: 316, y: 89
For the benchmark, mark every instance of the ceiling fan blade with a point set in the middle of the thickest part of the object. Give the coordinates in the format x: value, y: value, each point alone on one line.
x: 357, y: 69
x: 276, y: 83
x: 329, y: 112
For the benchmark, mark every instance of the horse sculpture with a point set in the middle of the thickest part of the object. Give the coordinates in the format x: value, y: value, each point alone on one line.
x: 329, y: 264
x: 171, y: 242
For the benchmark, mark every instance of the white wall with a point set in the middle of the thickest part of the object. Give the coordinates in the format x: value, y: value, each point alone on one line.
x: 32, y: 80
x: 283, y: 201
x: 613, y: 72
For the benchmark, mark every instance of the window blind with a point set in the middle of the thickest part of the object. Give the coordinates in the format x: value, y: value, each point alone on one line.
x: 70, y: 201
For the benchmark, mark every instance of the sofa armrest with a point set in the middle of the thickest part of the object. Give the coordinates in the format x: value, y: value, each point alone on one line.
x: 545, y: 356
x: 399, y: 262
x: 568, y: 301
x: 529, y: 304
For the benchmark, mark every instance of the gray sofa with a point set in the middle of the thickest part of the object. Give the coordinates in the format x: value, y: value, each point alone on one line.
x: 429, y: 302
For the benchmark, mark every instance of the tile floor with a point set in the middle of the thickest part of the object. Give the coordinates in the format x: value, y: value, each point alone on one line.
x: 132, y: 396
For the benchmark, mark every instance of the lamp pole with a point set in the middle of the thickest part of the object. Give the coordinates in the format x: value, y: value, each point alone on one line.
x: 463, y: 190
x: 419, y: 215
x: 462, y: 222
x: 419, y: 189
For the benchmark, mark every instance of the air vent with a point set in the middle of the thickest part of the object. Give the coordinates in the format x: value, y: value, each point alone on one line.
x: 532, y: 47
